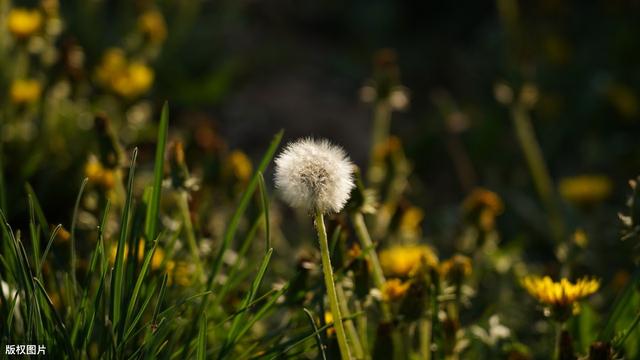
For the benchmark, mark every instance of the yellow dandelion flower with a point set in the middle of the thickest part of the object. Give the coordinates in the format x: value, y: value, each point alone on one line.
x: 93, y: 170
x: 328, y: 319
x: 580, y: 238
x: 156, y: 259
x: 562, y: 296
x: 483, y: 206
x: 151, y: 23
x: 404, y: 261
x: 180, y: 273
x: 63, y: 236
x: 394, y: 289
x: 125, y: 78
x: 23, y: 23
x: 98, y: 174
x: 483, y: 198
x: 354, y: 251
x: 585, y: 189
x: 141, y: 76
x: 410, y: 221
x: 25, y: 91
x: 458, y: 266
x: 240, y: 165
x: 113, y: 61
x: 392, y: 145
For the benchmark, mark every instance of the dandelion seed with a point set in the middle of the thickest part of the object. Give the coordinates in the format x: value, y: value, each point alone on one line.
x: 314, y: 175
x: 318, y: 177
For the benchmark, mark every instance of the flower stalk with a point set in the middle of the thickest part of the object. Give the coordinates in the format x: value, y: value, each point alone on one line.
x: 327, y: 271
x: 538, y: 168
x: 183, y: 204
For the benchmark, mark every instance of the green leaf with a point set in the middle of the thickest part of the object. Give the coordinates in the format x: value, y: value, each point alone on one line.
x: 621, y: 304
x: 153, y: 207
x: 73, y: 232
x: 315, y: 330
x: 235, y: 332
x: 201, y: 353
x: 117, y: 289
x: 244, y: 202
x: 265, y: 209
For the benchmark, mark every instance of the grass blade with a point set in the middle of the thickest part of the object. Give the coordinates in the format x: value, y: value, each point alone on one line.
x: 244, y: 203
x: 265, y: 209
x: 118, y: 269
x: 73, y: 233
x: 153, y: 207
x: 201, y: 353
x: 619, y: 307
x: 315, y: 330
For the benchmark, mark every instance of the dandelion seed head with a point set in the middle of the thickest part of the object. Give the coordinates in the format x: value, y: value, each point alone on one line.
x: 314, y: 175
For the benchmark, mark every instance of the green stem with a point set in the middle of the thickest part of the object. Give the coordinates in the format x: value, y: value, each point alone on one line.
x: 362, y: 329
x: 558, y: 341
x: 368, y: 249
x: 183, y: 204
x: 629, y: 330
x: 352, y: 334
x: 381, y: 125
x: 539, y: 172
x: 378, y: 275
x: 331, y: 287
x: 369, y: 252
x: 425, y: 338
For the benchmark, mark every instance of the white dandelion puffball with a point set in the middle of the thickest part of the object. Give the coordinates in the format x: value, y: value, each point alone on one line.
x: 314, y: 175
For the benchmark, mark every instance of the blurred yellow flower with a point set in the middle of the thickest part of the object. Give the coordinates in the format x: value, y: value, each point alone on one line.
x: 180, y: 273
x: 404, y: 261
x: 580, y: 238
x: 156, y: 259
x: 328, y: 319
x: 23, y: 23
x: 98, y: 174
x: 410, y: 221
x: 394, y: 289
x: 457, y: 267
x: 25, y: 91
x: 126, y: 78
x: 392, y: 145
x: 585, y: 189
x: 62, y: 236
x: 483, y: 206
x: 560, y: 294
x: 151, y: 23
x: 240, y: 165
x: 624, y: 100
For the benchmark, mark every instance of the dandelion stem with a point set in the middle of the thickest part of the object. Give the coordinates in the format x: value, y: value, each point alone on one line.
x: 369, y: 252
x: 331, y: 287
x: 381, y: 124
x: 378, y: 275
x: 368, y: 248
x: 362, y: 329
x: 352, y: 334
x: 537, y: 166
x: 183, y: 203
x: 425, y: 338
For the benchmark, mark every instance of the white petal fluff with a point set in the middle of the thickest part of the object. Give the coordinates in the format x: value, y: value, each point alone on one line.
x: 314, y: 175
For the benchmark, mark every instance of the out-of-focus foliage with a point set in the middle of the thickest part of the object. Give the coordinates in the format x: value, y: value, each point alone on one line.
x: 492, y: 215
